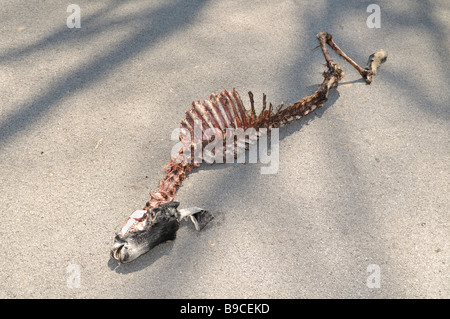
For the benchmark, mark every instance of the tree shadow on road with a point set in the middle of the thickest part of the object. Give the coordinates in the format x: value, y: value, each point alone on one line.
x: 154, y: 25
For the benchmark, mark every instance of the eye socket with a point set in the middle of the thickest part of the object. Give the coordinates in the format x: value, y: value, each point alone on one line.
x: 143, y: 217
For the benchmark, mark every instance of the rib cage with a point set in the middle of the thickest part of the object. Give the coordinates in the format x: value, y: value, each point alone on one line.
x: 222, y: 112
x: 218, y: 114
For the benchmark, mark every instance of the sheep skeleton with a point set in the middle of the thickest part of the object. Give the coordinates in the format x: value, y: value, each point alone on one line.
x: 226, y: 111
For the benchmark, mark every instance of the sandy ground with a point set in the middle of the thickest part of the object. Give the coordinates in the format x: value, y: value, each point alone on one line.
x: 85, y: 121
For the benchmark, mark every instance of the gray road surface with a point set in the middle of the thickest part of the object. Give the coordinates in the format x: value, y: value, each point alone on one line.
x: 85, y: 121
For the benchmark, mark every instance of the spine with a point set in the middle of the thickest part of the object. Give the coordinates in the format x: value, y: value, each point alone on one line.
x: 226, y: 111
x: 176, y: 172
